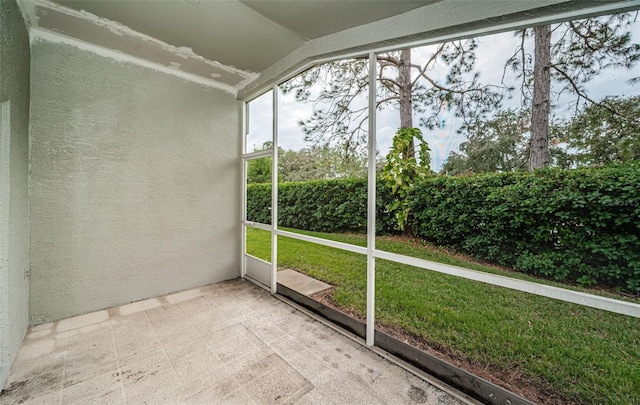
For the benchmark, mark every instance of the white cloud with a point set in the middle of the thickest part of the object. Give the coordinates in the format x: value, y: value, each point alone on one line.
x: 260, y: 123
x: 290, y: 113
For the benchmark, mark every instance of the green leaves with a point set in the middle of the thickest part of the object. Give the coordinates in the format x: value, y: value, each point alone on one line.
x: 496, y: 145
x: 606, y: 132
x: 402, y: 169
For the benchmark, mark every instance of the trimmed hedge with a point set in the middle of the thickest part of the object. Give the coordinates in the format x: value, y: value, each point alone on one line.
x: 325, y: 206
x: 578, y: 225
x: 319, y: 205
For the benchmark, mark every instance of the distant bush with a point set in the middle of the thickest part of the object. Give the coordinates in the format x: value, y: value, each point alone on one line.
x: 578, y: 225
x: 324, y: 206
x: 259, y: 203
x: 319, y: 205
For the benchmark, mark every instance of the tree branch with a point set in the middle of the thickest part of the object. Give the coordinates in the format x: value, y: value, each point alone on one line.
x: 582, y: 94
x: 388, y: 59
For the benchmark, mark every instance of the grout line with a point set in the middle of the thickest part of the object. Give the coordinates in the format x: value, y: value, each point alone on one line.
x: 66, y: 361
x: 66, y: 357
x: 164, y: 350
x: 241, y: 385
x: 115, y: 349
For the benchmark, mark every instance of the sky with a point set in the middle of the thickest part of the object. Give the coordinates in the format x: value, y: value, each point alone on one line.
x: 492, y: 53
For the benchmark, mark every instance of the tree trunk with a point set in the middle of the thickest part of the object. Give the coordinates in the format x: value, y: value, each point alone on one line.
x: 539, y: 150
x: 405, y: 90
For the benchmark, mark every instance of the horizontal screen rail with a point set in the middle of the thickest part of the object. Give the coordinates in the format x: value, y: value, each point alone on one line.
x: 562, y: 294
x: 575, y: 297
x: 258, y: 155
x: 258, y: 225
x: 325, y: 242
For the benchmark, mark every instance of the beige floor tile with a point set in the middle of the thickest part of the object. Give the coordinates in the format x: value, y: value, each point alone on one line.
x: 115, y: 397
x: 164, y: 314
x: 258, y: 367
x: 287, y: 347
x: 274, y: 308
x: 268, y: 333
x: 92, y: 318
x: 405, y: 389
x: 38, y: 348
x: 98, y: 339
x: 196, y: 364
x: 183, y: 296
x: 219, y: 389
x: 151, y: 303
x: 217, y: 379
x: 84, y: 363
x: 125, y: 330
x: 92, y: 387
x: 31, y: 398
x: 207, y: 322
x: 220, y: 298
x: 194, y: 305
x: 246, y: 360
x: 234, y: 348
x: 313, y: 398
x: 236, y: 312
x: 228, y: 343
x: 42, y: 326
x: 309, y: 365
x: 334, y: 351
x: 31, y: 334
x: 133, y: 308
x: 368, y: 366
x: 230, y: 332
x: 238, y: 397
x: 162, y: 396
x: 63, y: 325
x: 33, y: 380
x: 133, y: 320
x: 177, y: 334
x: 345, y: 388
x: 157, y: 385
x: 186, y: 349
x: 138, y: 345
x: 135, y: 368
x: 280, y: 385
x: 24, y: 368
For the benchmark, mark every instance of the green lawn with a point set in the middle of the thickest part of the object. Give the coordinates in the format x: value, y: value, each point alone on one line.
x: 586, y: 355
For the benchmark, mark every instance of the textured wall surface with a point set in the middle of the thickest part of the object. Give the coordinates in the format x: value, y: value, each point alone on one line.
x: 135, y: 183
x: 14, y: 186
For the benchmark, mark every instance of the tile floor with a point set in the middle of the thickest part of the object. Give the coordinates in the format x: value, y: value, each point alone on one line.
x: 227, y: 343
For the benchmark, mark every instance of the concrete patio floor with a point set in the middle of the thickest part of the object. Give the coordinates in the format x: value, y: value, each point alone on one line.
x: 227, y: 343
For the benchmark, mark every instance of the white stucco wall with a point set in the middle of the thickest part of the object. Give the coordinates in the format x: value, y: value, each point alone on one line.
x: 135, y: 183
x: 14, y: 171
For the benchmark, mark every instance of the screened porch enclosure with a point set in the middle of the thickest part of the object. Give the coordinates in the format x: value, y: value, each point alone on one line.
x: 412, y: 295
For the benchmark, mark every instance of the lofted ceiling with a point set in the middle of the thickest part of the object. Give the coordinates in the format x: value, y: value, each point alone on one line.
x: 223, y: 42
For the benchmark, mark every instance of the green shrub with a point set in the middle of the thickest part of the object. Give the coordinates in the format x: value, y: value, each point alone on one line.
x: 578, y: 225
x: 259, y: 203
x: 320, y: 205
